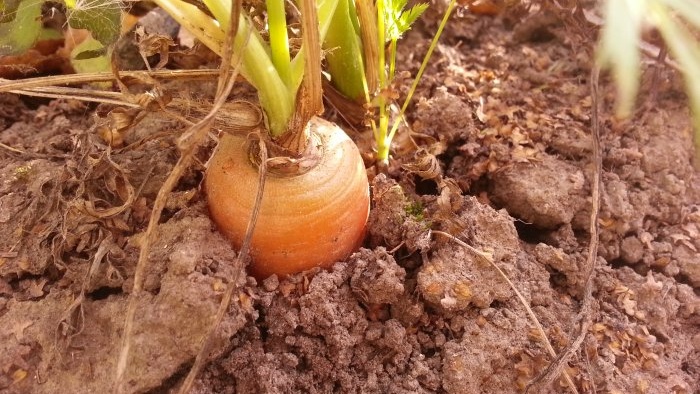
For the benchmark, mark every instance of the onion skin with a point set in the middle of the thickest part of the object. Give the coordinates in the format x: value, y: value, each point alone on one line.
x: 306, y: 220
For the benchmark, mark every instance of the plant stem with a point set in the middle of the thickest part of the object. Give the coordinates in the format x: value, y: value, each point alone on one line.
x: 195, y: 21
x: 279, y: 40
x: 423, y: 66
x: 380, y: 134
x: 326, y: 9
x: 275, y: 97
x: 311, y: 41
x: 310, y: 96
x: 276, y: 88
x: 345, y: 55
x: 392, y: 59
x: 367, y: 17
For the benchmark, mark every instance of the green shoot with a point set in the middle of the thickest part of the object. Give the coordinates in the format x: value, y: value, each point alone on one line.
x: 279, y: 40
x: 397, y: 23
x: 376, y: 53
x: 393, y: 22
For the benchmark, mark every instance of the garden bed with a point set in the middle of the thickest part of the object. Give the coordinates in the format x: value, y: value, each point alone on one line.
x: 505, y: 107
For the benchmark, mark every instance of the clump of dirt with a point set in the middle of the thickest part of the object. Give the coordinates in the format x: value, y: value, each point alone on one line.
x: 337, y: 331
x: 396, y: 219
x: 546, y: 194
x: 497, y: 154
x: 172, y: 318
x: 451, y: 279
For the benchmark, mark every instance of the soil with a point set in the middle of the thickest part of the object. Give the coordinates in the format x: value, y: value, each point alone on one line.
x: 501, y: 160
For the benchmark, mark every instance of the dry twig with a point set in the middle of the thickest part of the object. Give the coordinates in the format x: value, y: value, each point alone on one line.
x: 225, y: 85
x: 585, y: 316
x: 7, y: 85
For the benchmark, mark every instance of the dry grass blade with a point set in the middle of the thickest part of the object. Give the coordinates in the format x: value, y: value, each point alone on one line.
x: 11, y: 149
x: 585, y: 316
x: 58, y: 92
x: 188, y: 144
x: 7, y: 85
x: 487, y: 259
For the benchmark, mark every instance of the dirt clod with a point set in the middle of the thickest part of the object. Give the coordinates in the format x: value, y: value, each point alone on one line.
x: 547, y: 193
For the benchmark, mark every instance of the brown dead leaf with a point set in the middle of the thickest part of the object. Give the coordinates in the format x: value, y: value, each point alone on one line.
x: 153, y: 44
x: 19, y: 375
x: 114, y: 126
x: 425, y: 165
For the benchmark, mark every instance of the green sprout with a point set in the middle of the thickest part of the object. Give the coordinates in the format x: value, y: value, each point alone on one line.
x: 362, y: 57
x: 393, y: 23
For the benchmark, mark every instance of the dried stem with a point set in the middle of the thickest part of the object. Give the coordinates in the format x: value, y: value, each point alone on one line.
x: 585, y: 316
x: 7, y: 85
x: 95, y: 96
x: 367, y: 13
x: 309, y: 101
x: 240, y: 263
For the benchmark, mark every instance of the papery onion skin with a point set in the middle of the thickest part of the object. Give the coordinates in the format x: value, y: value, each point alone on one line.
x: 306, y: 220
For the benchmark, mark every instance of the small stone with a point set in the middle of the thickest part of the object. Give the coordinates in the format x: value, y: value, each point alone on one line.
x: 271, y: 283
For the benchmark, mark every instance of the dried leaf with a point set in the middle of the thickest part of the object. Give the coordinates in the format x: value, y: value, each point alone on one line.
x: 425, y: 165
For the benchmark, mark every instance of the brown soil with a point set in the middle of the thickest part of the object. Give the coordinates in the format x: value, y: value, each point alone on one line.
x: 505, y: 107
